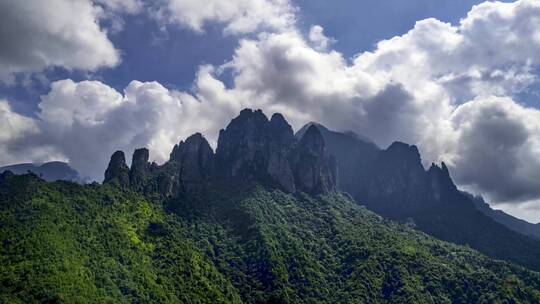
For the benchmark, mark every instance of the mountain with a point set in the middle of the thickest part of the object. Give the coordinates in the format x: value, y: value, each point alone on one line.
x: 354, y: 154
x: 260, y: 220
x: 70, y: 243
x: 393, y: 183
x: 251, y: 148
x: 50, y: 171
x: 506, y: 219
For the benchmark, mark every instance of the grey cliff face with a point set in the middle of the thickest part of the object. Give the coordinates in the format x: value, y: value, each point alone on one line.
x: 117, y: 172
x: 243, y: 146
x: 255, y: 148
x: 315, y: 170
x: 250, y: 149
x: 441, y: 182
x: 195, y: 159
x: 140, y: 169
x: 281, y: 143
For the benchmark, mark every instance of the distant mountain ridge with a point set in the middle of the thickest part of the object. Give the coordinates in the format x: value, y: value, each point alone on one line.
x: 49, y: 171
x: 506, y: 219
x: 393, y: 183
x: 349, y: 145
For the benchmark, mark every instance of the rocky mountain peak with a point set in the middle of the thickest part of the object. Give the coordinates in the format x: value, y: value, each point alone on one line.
x: 441, y: 182
x: 196, y: 159
x: 281, y: 131
x: 139, y: 168
x: 404, y: 152
x: 403, y: 158
x: 242, y: 149
x: 315, y: 170
x: 117, y: 172
x: 250, y: 148
x: 313, y: 140
x: 281, y: 142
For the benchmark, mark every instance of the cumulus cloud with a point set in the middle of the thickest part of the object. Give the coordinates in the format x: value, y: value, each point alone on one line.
x: 16, y: 137
x: 127, y: 6
x: 285, y: 74
x: 38, y: 34
x: 85, y: 122
x: 491, y: 51
x: 498, y: 148
x: 239, y: 16
x: 319, y: 39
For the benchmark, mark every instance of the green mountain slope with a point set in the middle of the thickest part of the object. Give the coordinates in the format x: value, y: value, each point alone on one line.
x: 66, y: 243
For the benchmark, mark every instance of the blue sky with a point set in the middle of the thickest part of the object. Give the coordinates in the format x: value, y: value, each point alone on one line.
x: 81, y: 79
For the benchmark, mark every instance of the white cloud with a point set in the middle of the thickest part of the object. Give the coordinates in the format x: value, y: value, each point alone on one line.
x: 36, y: 35
x: 85, y: 122
x: 498, y: 148
x: 239, y: 16
x: 127, y: 6
x: 318, y: 38
x: 13, y: 124
x: 16, y: 138
x: 490, y: 52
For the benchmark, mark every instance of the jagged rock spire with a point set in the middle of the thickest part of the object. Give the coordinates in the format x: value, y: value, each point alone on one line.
x: 117, y: 172
x: 255, y: 148
x: 139, y: 168
x: 196, y: 161
x: 242, y: 150
x: 315, y: 170
x: 441, y: 182
x: 250, y: 149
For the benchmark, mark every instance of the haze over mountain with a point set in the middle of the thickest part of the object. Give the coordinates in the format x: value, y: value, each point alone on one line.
x: 509, y: 221
x: 393, y: 183
x: 50, y: 171
x: 258, y: 221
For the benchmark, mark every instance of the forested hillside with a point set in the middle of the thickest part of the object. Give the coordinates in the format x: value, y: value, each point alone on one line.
x: 66, y: 243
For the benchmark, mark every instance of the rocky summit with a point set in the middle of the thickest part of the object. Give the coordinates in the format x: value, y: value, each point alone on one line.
x: 117, y: 172
x: 251, y: 148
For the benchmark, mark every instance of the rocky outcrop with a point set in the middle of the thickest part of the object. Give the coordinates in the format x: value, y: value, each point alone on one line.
x: 399, y: 168
x: 315, y: 170
x: 250, y: 149
x: 140, y: 169
x: 117, y: 172
x: 255, y: 148
x: 398, y: 176
x: 441, y: 182
x: 195, y: 160
x: 281, y: 142
x: 355, y: 155
x: 242, y: 150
